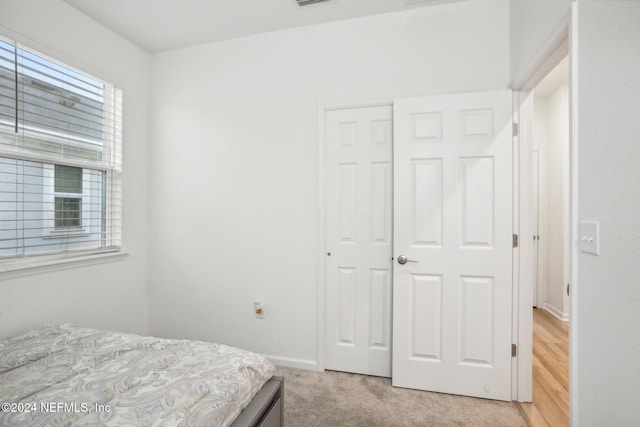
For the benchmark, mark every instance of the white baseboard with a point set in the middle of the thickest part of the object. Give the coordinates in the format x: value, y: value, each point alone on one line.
x: 290, y: 362
x: 555, y: 312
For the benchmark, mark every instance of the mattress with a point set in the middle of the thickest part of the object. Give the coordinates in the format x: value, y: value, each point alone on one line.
x: 67, y: 375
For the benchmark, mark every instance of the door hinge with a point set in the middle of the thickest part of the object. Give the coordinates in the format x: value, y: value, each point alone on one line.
x: 514, y: 129
x: 514, y: 350
x: 514, y: 241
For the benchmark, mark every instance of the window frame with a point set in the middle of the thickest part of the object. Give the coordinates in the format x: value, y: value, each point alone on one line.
x: 111, y: 184
x: 49, y: 200
x: 64, y: 204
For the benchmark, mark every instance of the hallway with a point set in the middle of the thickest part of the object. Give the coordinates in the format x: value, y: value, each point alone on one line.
x: 550, y: 405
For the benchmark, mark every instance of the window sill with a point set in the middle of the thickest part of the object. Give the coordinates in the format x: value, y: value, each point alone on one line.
x: 27, y: 266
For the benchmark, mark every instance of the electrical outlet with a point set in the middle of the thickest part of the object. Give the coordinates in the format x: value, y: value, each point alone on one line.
x: 257, y: 308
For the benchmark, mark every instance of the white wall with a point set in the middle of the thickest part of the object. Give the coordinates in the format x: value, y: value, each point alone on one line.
x: 535, y: 24
x: 235, y: 159
x: 540, y: 144
x: 558, y: 202
x: 110, y: 295
x: 605, y: 372
x: 551, y: 133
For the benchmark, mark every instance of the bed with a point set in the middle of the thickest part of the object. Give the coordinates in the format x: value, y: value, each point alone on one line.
x: 68, y: 375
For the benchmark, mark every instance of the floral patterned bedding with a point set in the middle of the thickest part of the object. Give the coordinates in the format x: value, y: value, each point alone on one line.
x: 66, y: 375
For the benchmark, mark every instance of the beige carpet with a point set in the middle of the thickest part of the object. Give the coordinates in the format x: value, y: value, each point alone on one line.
x: 338, y: 399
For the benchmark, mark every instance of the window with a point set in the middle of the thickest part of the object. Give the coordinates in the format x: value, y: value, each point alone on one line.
x: 68, y: 210
x: 60, y: 157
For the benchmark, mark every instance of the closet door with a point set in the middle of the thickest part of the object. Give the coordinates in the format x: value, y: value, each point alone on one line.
x: 358, y: 144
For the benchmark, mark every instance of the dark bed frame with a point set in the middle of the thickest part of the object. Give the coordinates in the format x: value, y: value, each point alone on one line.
x: 267, y: 407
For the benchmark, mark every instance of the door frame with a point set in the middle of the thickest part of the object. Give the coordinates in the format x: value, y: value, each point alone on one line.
x: 557, y: 48
x: 321, y: 235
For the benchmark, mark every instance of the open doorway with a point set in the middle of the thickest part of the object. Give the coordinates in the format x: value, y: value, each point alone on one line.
x: 550, y: 170
x: 551, y: 249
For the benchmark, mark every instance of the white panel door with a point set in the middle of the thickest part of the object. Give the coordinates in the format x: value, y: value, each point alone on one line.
x: 358, y: 145
x: 453, y: 221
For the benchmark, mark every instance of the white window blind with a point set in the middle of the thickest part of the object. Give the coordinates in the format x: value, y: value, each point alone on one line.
x: 60, y: 157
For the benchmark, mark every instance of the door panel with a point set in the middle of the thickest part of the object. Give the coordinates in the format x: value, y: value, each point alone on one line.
x: 358, y: 145
x: 427, y: 208
x: 426, y: 317
x: 452, y: 220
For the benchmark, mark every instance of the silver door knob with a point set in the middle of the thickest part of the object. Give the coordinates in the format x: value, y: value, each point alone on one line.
x: 402, y: 259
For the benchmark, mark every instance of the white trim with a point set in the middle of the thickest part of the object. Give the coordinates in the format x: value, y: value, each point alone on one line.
x: 517, y: 378
x: 292, y: 362
x: 362, y: 104
x: 321, y: 245
x: 523, y: 254
x: 28, y: 266
x: 539, y: 67
x: 551, y: 58
x: 573, y: 217
x: 555, y: 312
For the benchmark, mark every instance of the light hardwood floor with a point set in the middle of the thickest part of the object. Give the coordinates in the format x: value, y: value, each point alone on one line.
x: 550, y: 406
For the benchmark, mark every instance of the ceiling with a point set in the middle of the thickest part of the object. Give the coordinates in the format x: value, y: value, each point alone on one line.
x: 159, y: 25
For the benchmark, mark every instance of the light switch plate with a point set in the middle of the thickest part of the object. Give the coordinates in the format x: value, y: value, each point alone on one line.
x: 590, y: 237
